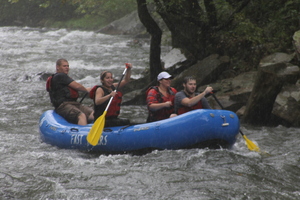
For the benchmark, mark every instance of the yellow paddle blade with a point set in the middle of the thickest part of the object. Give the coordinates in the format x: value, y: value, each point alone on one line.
x: 251, y: 146
x: 96, y: 130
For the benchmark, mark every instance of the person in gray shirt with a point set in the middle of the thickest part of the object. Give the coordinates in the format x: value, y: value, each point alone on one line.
x: 188, y: 99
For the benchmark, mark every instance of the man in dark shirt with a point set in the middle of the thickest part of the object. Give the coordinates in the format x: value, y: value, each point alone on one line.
x: 63, y: 92
x: 188, y: 99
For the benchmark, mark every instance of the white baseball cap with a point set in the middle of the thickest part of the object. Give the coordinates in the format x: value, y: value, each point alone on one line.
x: 162, y: 75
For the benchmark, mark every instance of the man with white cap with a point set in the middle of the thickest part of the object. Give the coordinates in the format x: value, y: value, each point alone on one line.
x: 160, y: 99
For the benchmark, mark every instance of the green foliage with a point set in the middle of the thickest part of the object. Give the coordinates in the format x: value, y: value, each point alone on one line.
x: 244, y: 30
x: 45, y: 4
x: 263, y: 27
x: 109, y: 10
x: 87, y: 22
x: 279, y: 20
x: 247, y: 31
x: 32, y: 13
x: 72, y: 12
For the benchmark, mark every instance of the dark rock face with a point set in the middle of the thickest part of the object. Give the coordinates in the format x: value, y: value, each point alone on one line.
x: 268, y: 96
x: 205, y: 71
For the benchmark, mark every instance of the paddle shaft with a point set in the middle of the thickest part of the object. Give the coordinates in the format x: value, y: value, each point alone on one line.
x: 115, y: 89
x: 217, y: 100
x: 83, y: 97
x: 111, y: 98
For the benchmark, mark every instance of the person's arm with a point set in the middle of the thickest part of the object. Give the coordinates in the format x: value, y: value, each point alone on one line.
x: 89, y: 89
x: 158, y: 106
x: 189, y: 102
x: 153, y: 103
x: 126, y: 78
x: 100, y: 98
x: 77, y: 86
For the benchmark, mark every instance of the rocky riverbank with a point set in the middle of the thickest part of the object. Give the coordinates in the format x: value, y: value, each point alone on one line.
x: 233, y: 89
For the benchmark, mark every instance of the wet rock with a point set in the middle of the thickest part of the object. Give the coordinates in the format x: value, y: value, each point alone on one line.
x: 277, y: 58
x: 205, y: 71
x: 296, y: 43
x: 233, y: 93
x: 287, y: 106
x: 44, y: 75
x: 173, y: 58
x: 272, y: 75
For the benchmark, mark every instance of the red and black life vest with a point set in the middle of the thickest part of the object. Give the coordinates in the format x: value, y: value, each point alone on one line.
x: 60, y: 95
x: 163, y: 113
x: 115, y: 106
x: 73, y: 93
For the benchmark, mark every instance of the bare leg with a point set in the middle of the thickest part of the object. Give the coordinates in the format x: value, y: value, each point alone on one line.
x: 91, y: 117
x: 82, y: 119
x: 173, y: 115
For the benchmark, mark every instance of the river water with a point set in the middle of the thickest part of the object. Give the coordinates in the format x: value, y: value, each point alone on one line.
x: 31, y: 169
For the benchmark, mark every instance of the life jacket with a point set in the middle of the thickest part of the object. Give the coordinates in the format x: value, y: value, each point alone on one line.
x: 48, y: 83
x: 185, y: 109
x: 115, y: 105
x: 163, y: 113
x: 71, y: 94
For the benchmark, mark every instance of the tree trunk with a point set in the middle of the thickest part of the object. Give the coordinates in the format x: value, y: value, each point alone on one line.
x: 184, y: 20
x: 195, y: 29
x: 156, y: 33
x: 269, y: 82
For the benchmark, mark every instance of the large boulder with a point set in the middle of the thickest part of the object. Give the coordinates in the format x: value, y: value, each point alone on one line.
x: 274, y: 72
x: 173, y: 58
x: 287, y: 105
x: 205, y: 71
x: 278, y: 57
x: 127, y: 25
x: 233, y: 93
x: 296, y: 43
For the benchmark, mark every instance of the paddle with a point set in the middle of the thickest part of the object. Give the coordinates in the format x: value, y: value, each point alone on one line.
x: 96, y: 131
x: 83, y: 97
x: 251, y: 146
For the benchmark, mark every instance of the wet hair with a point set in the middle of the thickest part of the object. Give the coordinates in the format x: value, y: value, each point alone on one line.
x: 188, y: 78
x: 59, y: 61
x: 103, y: 74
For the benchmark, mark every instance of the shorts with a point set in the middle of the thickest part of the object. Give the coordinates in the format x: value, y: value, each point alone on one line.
x: 71, y: 110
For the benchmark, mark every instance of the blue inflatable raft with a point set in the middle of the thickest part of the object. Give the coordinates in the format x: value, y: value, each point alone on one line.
x: 196, y: 129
